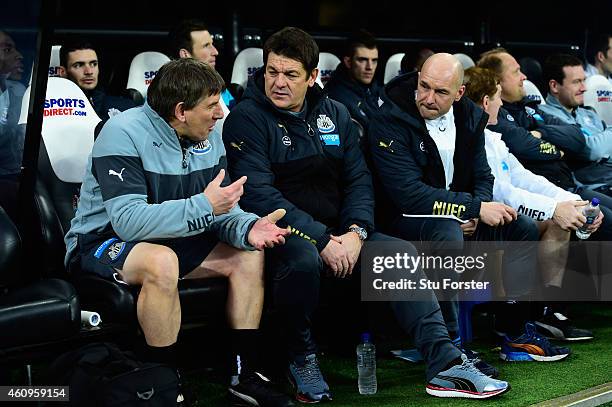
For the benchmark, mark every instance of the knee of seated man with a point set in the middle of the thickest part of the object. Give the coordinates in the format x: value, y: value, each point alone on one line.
x: 527, y: 227
x: 163, y: 268
x: 554, y: 231
x: 447, y: 231
x: 247, y: 262
x: 296, y: 256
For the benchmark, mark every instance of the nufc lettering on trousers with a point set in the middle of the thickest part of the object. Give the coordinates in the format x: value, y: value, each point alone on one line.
x: 199, y: 223
x: 448, y: 208
x: 532, y: 213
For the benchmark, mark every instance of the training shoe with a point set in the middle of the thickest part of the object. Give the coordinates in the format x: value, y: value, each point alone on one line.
x: 473, y: 357
x: 557, y: 326
x: 254, y: 389
x: 531, y: 347
x: 480, y: 364
x: 466, y: 381
x: 310, y: 386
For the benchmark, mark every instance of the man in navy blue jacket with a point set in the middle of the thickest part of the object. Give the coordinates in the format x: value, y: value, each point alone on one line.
x: 353, y: 82
x: 427, y: 145
x: 301, y: 152
x: 79, y: 63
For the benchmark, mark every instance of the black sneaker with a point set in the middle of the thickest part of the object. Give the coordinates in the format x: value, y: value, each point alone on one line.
x: 254, y: 389
x: 557, y: 326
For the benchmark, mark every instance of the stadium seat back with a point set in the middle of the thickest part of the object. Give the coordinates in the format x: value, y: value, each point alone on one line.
x: 246, y: 63
x: 54, y: 63
x: 532, y: 69
x: 466, y: 61
x: 599, y: 96
x: 532, y: 92
x: 143, y: 69
x: 10, y: 247
x: 393, y: 66
x: 69, y: 121
x: 328, y: 63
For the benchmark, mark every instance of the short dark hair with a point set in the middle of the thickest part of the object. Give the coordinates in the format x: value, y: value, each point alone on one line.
x: 491, y: 60
x: 180, y: 36
x: 182, y: 80
x: 71, y: 46
x: 294, y: 43
x: 553, y: 66
x: 414, y: 58
x: 359, y: 38
x: 597, y: 42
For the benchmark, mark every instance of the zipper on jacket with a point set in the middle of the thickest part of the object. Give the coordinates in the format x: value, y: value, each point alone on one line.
x: 185, y: 155
x: 311, y: 132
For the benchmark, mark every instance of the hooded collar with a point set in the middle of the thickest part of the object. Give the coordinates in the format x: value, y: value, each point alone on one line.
x: 341, y: 75
x: 554, y: 102
x: 255, y: 90
x: 168, y: 132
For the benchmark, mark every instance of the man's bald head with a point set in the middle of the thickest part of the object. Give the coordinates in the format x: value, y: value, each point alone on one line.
x: 445, y: 65
x: 440, y: 84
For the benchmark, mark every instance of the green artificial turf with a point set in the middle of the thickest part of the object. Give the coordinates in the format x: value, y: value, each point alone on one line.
x: 402, y: 383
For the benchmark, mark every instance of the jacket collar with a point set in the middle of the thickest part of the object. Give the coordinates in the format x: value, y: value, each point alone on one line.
x: 168, y: 133
x: 341, y: 76
x: 255, y: 91
x: 554, y: 102
x: 401, y: 91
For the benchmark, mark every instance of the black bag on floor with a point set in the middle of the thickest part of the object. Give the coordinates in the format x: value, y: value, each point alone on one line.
x: 101, y: 375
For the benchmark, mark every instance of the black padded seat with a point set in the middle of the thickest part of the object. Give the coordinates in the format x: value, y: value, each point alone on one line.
x: 31, y: 312
x: 44, y: 311
x: 200, y: 299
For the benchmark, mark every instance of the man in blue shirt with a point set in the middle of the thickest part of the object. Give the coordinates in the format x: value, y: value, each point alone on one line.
x: 156, y: 205
x: 192, y: 39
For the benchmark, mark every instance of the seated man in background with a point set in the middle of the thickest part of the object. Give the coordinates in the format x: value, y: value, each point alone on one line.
x: 533, y: 136
x: 565, y: 101
x: 191, y: 39
x: 135, y: 226
x: 11, y: 134
x: 556, y: 211
x: 301, y: 152
x: 599, y: 55
x: 79, y: 63
x: 414, y: 59
x: 429, y: 157
x: 353, y: 82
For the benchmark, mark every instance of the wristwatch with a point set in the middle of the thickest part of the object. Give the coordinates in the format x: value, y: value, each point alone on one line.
x: 361, y: 232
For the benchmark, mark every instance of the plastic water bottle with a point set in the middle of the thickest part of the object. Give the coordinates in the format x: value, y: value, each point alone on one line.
x: 366, y: 365
x: 591, y: 211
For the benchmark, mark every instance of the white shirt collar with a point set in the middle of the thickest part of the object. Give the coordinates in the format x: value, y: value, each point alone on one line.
x: 441, y: 123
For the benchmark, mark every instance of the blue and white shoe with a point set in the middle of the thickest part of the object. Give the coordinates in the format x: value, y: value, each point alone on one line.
x: 530, y: 347
x: 465, y: 381
x: 307, y: 379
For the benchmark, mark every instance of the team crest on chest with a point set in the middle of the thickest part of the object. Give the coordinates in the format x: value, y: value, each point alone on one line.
x: 203, y: 147
x: 325, y: 124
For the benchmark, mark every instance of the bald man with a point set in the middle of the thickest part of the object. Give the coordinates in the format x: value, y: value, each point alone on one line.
x: 427, y: 146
